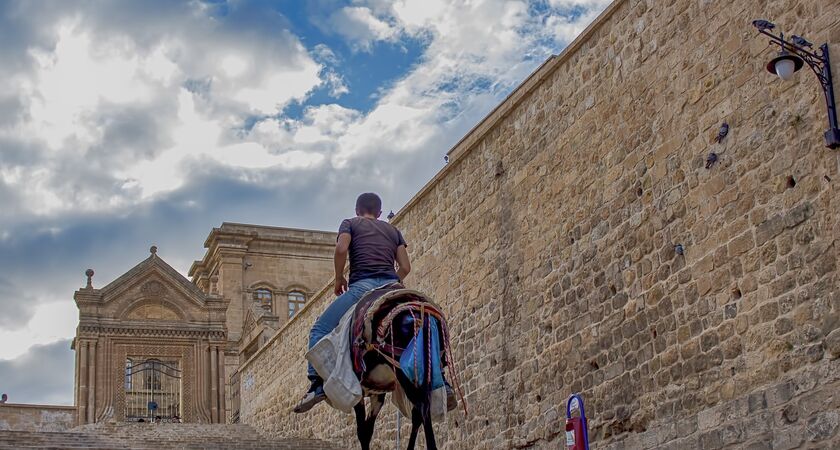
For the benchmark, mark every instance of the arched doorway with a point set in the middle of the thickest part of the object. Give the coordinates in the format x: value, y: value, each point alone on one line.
x: 152, y: 389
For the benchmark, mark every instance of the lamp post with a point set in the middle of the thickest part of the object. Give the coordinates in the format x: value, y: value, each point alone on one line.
x: 793, y: 55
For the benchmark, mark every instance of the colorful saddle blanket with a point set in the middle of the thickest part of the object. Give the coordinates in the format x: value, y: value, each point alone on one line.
x: 372, y: 320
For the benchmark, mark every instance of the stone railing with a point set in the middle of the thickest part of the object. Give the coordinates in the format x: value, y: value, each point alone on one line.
x: 23, y: 417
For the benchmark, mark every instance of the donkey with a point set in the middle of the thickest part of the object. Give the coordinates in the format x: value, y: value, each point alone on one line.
x: 381, y: 375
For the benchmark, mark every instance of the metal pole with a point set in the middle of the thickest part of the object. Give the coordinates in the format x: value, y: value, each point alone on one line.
x: 399, y: 419
x: 832, y: 136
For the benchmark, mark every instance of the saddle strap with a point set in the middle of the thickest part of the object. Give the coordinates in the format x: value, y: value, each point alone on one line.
x: 392, y: 361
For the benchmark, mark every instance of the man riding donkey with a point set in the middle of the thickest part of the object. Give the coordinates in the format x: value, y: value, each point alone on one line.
x: 379, y: 263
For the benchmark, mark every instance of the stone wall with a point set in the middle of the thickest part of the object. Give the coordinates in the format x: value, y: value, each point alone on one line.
x: 20, y: 417
x: 549, y: 239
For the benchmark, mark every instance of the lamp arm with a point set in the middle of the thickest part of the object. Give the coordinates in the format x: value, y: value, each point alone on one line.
x: 790, y: 46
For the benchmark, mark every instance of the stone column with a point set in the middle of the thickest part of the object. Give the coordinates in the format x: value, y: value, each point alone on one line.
x: 220, y: 358
x: 91, y: 401
x: 83, y: 382
x: 230, y: 286
x: 214, y: 383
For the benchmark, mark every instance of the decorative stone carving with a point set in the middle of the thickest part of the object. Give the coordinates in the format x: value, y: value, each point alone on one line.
x: 152, y: 311
x: 154, y: 288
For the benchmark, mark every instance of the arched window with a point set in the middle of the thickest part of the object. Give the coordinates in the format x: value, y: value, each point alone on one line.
x: 264, y: 297
x: 296, y: 302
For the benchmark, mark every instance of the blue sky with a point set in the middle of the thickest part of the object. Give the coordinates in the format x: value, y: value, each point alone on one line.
x: 127, y: 124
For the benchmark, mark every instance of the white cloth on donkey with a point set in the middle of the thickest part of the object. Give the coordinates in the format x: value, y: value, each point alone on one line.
x: 333, y: 361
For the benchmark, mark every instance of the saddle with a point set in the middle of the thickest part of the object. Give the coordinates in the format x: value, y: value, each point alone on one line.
x: 373, y: 319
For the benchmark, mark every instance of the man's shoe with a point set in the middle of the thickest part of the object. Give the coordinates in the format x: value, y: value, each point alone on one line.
x: 451, y: 399
x: 313, y: 397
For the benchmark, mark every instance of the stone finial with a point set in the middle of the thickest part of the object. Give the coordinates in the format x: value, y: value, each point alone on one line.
x: 89, y: 274
x: 153, y: 250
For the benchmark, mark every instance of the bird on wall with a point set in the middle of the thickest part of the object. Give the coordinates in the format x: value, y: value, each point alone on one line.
x: 391, y: 215
x: 762, y: 24
x: 711, y: 159
x: 800, y: 41
x: 722, y: 132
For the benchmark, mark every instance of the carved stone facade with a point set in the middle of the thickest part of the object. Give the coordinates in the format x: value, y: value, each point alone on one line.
x: 263, y: 273
x: 154, y: 343
x: 151, y: 314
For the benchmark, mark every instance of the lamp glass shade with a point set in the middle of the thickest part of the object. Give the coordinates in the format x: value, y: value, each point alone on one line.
x: 785, y: 68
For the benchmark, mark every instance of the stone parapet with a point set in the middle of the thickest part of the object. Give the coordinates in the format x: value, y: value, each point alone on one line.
x: 22, y: 417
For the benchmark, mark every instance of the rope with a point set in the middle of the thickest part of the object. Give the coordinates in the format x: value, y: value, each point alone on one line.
x: 386, y: 326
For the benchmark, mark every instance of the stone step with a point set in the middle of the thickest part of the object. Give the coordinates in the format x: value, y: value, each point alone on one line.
x: 164, y: 436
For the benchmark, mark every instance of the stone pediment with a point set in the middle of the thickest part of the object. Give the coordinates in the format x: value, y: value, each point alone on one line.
x: 151, y: 291
x: 153, y: 278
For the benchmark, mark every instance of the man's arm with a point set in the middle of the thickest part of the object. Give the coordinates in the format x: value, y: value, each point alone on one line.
x: 342, y: 246
x: 403, y: 263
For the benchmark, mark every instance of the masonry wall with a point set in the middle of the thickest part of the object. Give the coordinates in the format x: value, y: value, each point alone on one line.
x: 549, y: 239
x: 20, y: 417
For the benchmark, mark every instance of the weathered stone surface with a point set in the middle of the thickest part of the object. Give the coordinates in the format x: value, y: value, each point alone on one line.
x: 156, y: 436
x: 36, y: 417
x: 549, y: 240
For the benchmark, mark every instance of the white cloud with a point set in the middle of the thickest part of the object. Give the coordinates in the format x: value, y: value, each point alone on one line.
x: 361, y: 26
x: 476, y: 52
x: 48, y: 324
x: 87, y: 78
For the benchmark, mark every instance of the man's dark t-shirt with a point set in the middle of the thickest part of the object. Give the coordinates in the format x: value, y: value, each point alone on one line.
x: 373, y: 247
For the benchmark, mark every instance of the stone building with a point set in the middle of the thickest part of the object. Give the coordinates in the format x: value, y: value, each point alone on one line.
x: 154, y: 343
x: 149, y: 343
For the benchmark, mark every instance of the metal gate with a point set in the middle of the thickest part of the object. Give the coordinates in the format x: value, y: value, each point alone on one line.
x: 152, y: 390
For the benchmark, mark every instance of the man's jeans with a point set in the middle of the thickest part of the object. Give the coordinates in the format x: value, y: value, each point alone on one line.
x: 333, y: 314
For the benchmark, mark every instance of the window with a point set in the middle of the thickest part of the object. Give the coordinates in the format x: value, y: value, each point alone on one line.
x: 264, y: 297
x: 296, y: 301
x: 128, y: 364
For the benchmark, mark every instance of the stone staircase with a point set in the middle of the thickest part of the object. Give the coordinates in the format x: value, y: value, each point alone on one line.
x: 162, y: 436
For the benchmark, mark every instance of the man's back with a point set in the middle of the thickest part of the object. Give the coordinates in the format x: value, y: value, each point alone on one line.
x: 373, y: 247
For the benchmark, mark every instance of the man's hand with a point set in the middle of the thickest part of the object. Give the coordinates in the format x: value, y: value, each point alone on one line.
x: 340, y: 285
x: 403, y: 263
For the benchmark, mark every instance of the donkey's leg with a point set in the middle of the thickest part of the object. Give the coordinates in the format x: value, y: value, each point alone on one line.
x: 361, y: 426
x: 376, y: 403
x: 416, y: 421
x: 425, y: 407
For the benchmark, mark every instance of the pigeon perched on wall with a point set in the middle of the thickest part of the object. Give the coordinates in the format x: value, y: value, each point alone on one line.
x: 391, y: 215
x: 722, y: 132
x: 446, y: 159
x: 800, y: 41
x: 762, y: 24
x: 711, y: 159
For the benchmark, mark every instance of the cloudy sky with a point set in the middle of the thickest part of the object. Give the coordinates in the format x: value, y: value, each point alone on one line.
x: 126, y: 124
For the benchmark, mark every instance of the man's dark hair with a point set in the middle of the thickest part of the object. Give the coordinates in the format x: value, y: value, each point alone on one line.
x: 369, y: 203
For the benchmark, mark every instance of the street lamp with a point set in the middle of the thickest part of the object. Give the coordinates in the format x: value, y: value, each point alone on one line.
x: 793, y: 55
